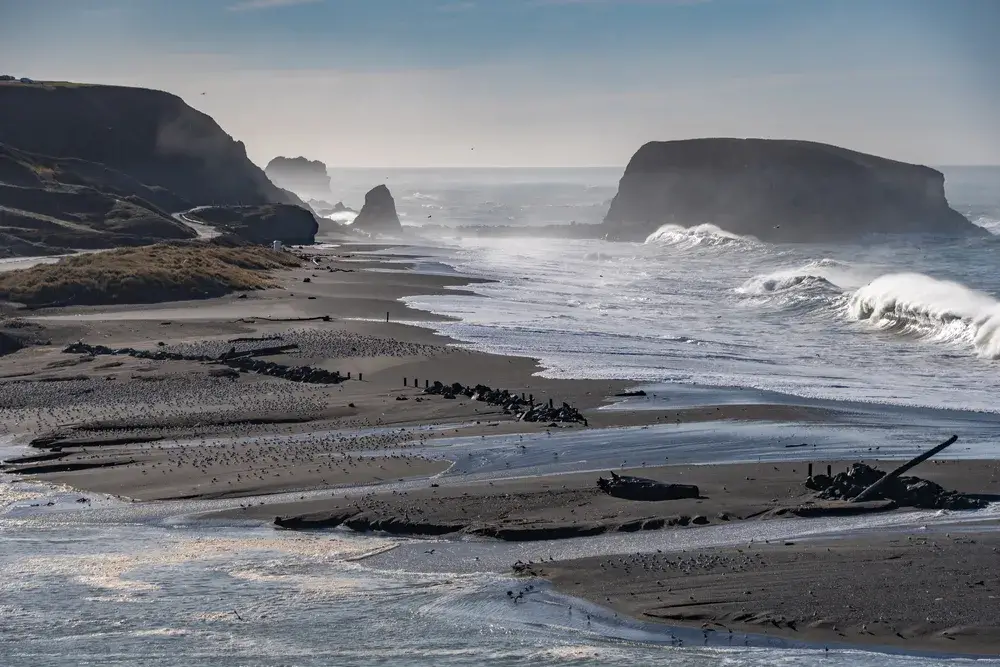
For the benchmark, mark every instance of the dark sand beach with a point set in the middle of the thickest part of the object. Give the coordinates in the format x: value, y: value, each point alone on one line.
x: 934, y: 592
x: 149, y: 430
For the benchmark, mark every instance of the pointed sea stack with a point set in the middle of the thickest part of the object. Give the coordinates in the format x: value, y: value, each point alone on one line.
x: 779, y: 191
x: 378, y: 216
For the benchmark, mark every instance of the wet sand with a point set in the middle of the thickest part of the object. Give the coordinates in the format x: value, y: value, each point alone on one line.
x: 572, y: 505
x: 156, y: 430
x: 935, y: 592
x: 150, y: 407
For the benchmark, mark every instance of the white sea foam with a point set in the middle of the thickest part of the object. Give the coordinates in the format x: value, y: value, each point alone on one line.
x: 823, y: 281
x: 706, y: 235
x: 343, y: 217
x: 939, y: 310
x: 992, y: 225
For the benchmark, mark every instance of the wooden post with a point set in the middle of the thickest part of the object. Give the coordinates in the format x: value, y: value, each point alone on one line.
x: 387, y: 316
x: 550, y: 403
x: 873, y: 489
x: 348, y: 375
x: 810, y: 470
x: 359, y: 377
x: 427, y: 383
x: 829, y: 470
x: 404, y: 382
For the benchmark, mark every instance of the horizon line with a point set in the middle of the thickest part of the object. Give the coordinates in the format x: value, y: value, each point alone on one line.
x: 592, y: 166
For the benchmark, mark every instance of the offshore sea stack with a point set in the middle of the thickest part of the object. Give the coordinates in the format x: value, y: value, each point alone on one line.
x: 307, y: 178
x: 378, y: 216
x: 779, y: 191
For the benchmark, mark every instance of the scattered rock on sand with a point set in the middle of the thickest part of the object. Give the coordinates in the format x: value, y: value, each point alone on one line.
x: 906, y: 491
x: 524, y: 409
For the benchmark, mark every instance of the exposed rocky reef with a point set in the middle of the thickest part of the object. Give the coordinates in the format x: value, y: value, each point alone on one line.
x: 778, y: 190
x: 524, y: 408
x: 307, y: 178
x: 238, y: 362
x: 365, y: 522
x: 378, y: 215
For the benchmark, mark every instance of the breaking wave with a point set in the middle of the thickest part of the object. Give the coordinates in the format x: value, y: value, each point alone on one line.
x: 992, y: 225
x: 705, y: 235
x: 939, y: 310
x: 343, y: 217
x: 824, y: 281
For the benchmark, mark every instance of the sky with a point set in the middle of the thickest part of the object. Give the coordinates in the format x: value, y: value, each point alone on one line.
x: 539, y: 82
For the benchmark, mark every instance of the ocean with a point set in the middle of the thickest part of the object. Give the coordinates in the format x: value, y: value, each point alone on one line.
x: 911, y: 321
x: 907, y: 328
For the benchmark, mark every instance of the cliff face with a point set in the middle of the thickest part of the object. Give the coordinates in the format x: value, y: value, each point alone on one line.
x: 307, y: 178
x: 146, y: 135
x: 50, y: 206
x: 778, y: 190
x: 378, y: 216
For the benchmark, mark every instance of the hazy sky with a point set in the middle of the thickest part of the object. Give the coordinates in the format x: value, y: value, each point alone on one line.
x: 539, y: 82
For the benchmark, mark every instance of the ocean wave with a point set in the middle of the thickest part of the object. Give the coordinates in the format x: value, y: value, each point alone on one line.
x: 822, y: 282
x: 342, y: 217
x: 704, y: 235
x: 940, y: 310
x: 992, y: 225
x: 822, y: 274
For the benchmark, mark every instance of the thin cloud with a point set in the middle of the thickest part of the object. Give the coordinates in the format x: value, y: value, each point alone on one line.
x: 251, y: 5
x: 542, y: 3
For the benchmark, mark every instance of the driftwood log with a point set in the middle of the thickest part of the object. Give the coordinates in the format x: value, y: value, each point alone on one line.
x: 259, y: 352
x: 872, y: 490
x: 641, y: 488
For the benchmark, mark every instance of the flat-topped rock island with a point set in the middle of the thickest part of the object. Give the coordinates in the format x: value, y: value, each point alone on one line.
x: 778, y: 190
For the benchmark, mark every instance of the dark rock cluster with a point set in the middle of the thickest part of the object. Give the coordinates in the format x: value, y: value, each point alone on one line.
x: 906, y: 491
x: 364, y: 522
x: 641, y: 488
x: 246, y: 364
x: 525, y: 409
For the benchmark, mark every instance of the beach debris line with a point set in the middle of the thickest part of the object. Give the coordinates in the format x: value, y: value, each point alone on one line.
x: 642, y: 488
x: 243, y: 362
x: 514, y: 404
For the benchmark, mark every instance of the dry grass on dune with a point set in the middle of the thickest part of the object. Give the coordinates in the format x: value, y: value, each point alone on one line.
x: 148, y: 274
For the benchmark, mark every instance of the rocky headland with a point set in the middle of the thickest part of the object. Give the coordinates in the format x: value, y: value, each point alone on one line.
x: 90, y: 167
x: 778, y: 190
